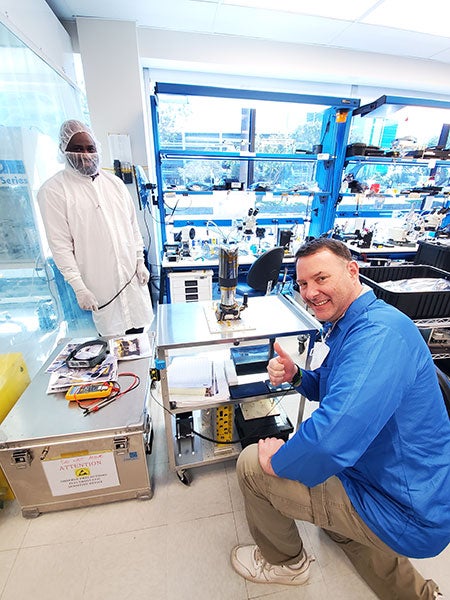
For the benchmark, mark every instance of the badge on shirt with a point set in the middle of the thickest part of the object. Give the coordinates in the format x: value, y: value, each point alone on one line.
x: 319, y: 354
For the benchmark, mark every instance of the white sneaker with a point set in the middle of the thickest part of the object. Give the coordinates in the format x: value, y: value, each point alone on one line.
x: 250, y: 564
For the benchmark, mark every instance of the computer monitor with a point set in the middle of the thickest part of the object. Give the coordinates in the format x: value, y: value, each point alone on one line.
x: 284, y: 238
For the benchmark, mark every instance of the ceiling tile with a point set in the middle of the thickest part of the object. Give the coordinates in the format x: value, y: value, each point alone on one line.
x: 443, y: 56
x: 301, y: 29
x: 399, y: 17
x: 344, y: 9
x: 370, y: 38
x: 427, y: 17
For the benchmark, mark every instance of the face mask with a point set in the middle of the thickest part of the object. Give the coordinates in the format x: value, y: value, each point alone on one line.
x: 86, y: 163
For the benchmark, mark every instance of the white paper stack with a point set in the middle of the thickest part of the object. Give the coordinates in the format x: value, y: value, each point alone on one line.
x: 193, y: 379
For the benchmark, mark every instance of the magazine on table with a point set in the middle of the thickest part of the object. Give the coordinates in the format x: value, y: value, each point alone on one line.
x: 63, y: 378
x: 130, y: 347
x: 59, y: 363
x: 126, y: 347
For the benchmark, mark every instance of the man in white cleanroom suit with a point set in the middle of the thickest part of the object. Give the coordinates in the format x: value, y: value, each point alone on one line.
x: 92, y: 231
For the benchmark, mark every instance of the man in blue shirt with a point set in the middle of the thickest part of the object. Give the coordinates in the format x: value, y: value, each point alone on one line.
x: 371, y: 466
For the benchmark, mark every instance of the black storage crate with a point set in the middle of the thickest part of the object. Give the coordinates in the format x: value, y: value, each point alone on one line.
x: 434, y: 254
x: 417, y: 305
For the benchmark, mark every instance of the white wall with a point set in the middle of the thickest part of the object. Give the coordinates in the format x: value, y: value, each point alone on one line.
x: 116, y: 97
x: 114, y: 82
x: 292, y: 67
x: 34, y: 23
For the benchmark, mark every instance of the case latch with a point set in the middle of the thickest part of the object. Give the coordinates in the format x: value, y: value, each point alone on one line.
x: 21, y: 458
x: 120, y: 444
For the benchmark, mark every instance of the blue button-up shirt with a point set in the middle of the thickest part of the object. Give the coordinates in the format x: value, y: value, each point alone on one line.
x: 381, y: 427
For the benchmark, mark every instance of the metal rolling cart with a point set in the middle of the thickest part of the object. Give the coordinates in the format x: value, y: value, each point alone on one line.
x: 192, y: 328
x: 55, y: 458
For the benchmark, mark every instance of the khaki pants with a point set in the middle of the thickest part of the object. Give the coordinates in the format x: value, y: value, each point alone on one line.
x: 272, y: 504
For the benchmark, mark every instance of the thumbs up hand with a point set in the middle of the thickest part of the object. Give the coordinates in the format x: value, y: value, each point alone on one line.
x: 281, y: 368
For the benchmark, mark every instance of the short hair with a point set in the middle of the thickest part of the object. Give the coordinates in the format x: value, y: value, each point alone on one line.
x: 315, y: 245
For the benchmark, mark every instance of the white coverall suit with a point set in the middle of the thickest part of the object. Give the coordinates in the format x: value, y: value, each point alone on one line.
x: 93, y: 233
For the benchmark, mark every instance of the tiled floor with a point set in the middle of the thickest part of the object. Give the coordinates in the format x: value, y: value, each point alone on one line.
x: 172, y: 547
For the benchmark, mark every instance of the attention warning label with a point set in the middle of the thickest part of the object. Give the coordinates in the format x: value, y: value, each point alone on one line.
x: 81, y: 473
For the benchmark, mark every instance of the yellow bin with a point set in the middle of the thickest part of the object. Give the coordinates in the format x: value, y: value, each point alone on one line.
x: 14, y: 379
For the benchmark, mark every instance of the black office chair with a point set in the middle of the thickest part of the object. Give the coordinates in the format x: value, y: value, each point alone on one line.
x: 262, y: 276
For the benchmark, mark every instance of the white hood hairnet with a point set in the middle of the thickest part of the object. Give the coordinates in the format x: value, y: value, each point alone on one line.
x: 85, y: 164
x: 69, y: 128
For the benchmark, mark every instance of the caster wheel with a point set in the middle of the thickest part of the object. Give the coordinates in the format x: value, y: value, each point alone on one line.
x: 185, y: 477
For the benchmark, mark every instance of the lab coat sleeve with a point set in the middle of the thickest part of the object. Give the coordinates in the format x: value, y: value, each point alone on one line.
x: 53, y: 207
x: 365, y: 384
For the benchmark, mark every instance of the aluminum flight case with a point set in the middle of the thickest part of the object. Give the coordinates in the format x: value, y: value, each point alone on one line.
x: 55, y: 458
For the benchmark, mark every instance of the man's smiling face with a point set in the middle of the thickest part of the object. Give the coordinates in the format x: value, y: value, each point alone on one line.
x: 328, y: 283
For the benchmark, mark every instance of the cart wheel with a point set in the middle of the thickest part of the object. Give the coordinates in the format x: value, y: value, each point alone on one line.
x: 185, y: 477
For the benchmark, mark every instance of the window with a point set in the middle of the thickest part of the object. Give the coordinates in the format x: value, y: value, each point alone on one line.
x: 220, y: 152
x: 233, y: 126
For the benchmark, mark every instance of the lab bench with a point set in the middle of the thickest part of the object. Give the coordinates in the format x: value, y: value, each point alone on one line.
x: 191, y: 330
x: 193, y: 268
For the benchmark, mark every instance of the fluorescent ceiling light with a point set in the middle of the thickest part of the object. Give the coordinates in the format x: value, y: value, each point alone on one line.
x: 422, y: 17
x: 347, y: 10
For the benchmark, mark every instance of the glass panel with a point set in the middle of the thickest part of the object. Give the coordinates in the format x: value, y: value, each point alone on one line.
x: 207, y: 124
x: 215, y: 206
x: 442, y: 176
x: 415, y: 127
x: 288, y: 128
x: 34, y: 100
x: 201, y: 175
x: 284, y: 176
x: 392, y: 178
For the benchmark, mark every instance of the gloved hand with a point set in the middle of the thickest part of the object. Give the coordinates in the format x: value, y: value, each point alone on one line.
x: 85, y: 298
x: 141, y: 272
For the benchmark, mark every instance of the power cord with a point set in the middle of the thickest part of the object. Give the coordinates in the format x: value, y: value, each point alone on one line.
x: 208, y: 439
x: 118, y: 293
x: 91, y: 406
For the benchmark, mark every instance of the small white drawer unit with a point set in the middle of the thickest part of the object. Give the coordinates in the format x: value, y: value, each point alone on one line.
x: 191, y: 286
